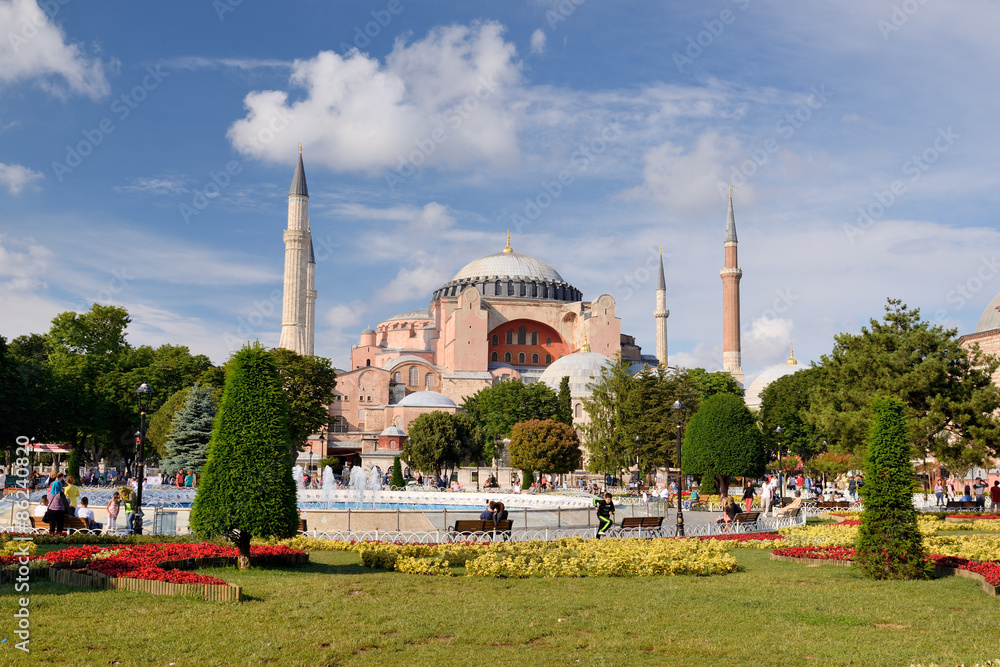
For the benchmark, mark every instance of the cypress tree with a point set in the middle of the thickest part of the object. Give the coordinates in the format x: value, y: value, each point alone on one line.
x: 889, y: 545
x: 247, y: 488
x: 190, y: 432
x: 564, y: 411
x: 397, y: 473
x: 73, y: 464
x: 527, y: 477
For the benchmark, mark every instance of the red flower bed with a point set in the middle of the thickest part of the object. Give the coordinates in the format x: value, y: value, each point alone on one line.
x: 743, y: 537
x: 974, y: 516
x: 15, y: 560
x: 142, y: 561
x: 848, y: 522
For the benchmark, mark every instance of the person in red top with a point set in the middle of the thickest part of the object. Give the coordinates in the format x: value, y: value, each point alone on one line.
x: 995, y: 497
x: 179, y: 480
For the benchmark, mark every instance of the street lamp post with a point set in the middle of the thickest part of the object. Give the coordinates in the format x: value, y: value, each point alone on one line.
x: 144, y: 396
x: 781, y: 473
x: 605, y: 460
x: 638, y: 469
x: 677, y: 407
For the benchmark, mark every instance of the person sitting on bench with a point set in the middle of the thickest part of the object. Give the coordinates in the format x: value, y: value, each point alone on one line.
x: 692, y: 499
x: 792, y: 508
x: 729, y: 510
x: 87, y: 514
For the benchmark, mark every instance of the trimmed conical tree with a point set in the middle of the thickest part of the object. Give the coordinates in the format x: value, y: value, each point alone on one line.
x: 889, y: 545
x: 564, y: 413
x: 397, y: 473
x: 247, y: 488
x: 190, y: 432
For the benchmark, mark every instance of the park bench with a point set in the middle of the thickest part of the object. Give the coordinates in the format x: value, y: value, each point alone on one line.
x: 744, y: 518
x: 832, y: 504
x: 480, y: 528
x: 960, y: 505
x: 641, y: 523
x: 70, y: 524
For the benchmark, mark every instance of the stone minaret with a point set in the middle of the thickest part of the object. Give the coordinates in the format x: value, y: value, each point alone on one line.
x: 731, y: 361
x: 296, y: 332
x: 311, y: 300
x: 661, y: 314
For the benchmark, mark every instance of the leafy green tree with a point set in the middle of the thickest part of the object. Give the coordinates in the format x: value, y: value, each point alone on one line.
x: 722, y: 440
x: 716, y: 382
x: 889, y: 545
x: 308, y: 383
x: 946, y: 389
x: 397, y: 474
x: 247, y: 488
x: 191, y: 432
x: 783, y: 403
x: 606, y: 435
x: 495, y: 409
x: 158, y: 431
x: 545, y: 445
x: 565, y: 411
x: 651, y: 417
x: 434, y: 441
x: 73, y: 464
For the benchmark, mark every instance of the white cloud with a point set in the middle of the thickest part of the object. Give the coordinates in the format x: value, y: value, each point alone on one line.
x: 538, y: 41
x: 197, y: 62
x: 415, y: 282
x: 34, y: 47
x: 22, y: 264
x: 16, y: 176
x: 163, y: 185
x: 442, y: 99
x: 687, y: 180
x: 768, y: 340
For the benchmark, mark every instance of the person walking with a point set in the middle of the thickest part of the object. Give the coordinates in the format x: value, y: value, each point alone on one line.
x: 995, y: 497
x: 979, y: 488
x: 114, y: 506
x: 748, y: 495
x: 938, y: 493
x: 129, y: 507
x: 765, y: 496
x: 605, y: 513
x: 56, y: 513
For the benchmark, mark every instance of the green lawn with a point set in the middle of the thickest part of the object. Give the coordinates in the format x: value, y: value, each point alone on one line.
x: 335, y: 612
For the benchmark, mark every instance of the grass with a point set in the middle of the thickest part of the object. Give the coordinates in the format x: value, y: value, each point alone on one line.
x: 335, y: 612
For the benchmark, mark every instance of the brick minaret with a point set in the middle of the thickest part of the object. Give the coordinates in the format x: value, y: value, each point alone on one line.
x: 731, y: 275
x: 661, y: 314
x: 295, y: 334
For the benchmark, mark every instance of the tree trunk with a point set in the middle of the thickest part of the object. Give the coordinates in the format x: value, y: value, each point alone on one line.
x: 243, y: 560
x: 722, y: 484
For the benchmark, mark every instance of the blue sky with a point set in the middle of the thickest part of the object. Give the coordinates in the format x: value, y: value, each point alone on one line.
x: 146, y: 151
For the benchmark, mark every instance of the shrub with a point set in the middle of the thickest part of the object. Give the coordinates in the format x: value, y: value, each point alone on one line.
x: 397, y: 474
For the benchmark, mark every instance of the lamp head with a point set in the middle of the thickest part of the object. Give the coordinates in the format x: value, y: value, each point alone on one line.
x: 779, y: 431
x: 144, y: 396
x: 678, y: 406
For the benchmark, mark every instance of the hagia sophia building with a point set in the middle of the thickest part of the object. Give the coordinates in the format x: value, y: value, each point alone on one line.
x: 503, y: 316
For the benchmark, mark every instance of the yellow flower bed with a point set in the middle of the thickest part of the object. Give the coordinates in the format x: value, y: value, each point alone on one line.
x: 568, y: 557
x: 973, y: 547
x: 16, y: 548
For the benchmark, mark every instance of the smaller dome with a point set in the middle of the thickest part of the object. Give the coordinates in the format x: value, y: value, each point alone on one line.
x: 752, y: 395
x: 392, y: 430
x: 990, y: 319
x: 369, y: 330
x: 426, y: 399
x: 582, y: 368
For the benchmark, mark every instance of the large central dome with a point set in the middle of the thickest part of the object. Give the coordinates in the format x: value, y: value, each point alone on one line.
x: 508, y: 265
x: 509, y: 275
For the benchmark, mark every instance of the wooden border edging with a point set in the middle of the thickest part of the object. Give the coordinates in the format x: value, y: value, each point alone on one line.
x: 987, y: 587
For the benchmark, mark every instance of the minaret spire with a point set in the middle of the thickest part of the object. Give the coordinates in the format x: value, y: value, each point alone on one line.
x: 731, y: 275
x: 298, y: 302
x: 661, y: 314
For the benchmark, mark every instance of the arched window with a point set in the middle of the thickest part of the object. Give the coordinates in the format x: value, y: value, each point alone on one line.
x: 510, y: 288
x: 506, y: 357
x: 495, y: 340
x: 494, y: 357
x: 579, y: 411
x: 368, y: 362
x: 397, y: 377
x: 520, y: 358
x: 361, y: 415
x: 429, y: 380
x: 548, y: 358
x: 524, y: 289
x: 510, y: 337
x: 413, y: 376
x: 534, y: 289
x: 534, y: 358
x: 545, y: 292
x: 497, y: 289
x: 548, y: 341
x: 522, y: 336
x: 534, y: 338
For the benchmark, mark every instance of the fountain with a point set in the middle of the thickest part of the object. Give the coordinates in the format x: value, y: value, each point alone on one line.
x: 297, y: 476
x: 328, y: 483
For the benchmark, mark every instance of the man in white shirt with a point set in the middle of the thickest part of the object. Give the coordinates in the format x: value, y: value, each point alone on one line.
x: 87, y: 514
x: 3, y: 479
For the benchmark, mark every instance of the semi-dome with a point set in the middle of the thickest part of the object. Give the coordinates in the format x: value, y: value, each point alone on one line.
x: 392, y: 430
x: 990, y: 319
x: 426, y: 399
x: 769, y: 375
x: 582, y: 368
x: 511, y: 275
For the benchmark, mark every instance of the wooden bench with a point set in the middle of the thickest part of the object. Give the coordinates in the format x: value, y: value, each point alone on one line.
x: 960, y: 505
x: 832, y: 504
x: 641, y: 523
x: 744, y: 517
x: 480, y: 528
x: 70, y: 523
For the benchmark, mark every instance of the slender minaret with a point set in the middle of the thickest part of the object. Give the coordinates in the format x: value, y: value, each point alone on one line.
x: 731, y: 362
x: 310, y: 300
x: 298, y: 240
x: 661, y: 314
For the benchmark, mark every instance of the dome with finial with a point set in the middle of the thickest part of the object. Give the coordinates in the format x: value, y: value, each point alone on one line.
x: 508, y: 274
x: 769, y: 375
x: 583, y: 368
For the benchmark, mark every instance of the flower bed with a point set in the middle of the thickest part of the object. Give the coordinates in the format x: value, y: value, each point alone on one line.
x: 160, y: 569
x: 970, y: 517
